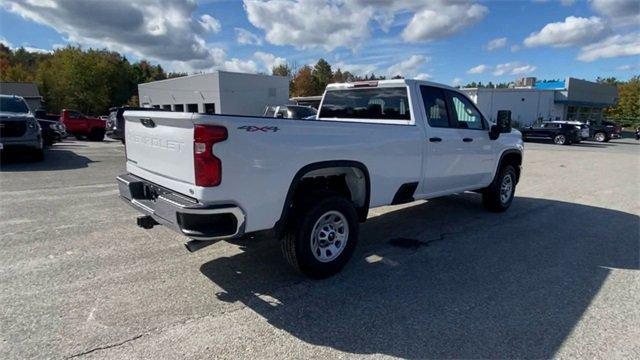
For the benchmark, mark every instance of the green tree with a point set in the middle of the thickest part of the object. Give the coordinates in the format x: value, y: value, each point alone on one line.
x: 281, y: 70
x: 322, y: 75
x: 627, y: 109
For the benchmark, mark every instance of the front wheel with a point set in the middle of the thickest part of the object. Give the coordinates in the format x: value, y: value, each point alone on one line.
x: 499, y: 195
x: 323, y: 238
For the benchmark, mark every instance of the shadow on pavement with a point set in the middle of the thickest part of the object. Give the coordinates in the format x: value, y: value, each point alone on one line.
x: 56, y: 157
x: 482, y: 285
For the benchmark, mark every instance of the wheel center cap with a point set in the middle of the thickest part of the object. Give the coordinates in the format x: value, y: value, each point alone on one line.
x: 332, y: 236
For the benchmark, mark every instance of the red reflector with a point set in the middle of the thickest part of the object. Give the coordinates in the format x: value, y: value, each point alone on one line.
x: 207, y: 167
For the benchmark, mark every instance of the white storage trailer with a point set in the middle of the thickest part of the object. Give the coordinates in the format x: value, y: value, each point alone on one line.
x: 219, y: 92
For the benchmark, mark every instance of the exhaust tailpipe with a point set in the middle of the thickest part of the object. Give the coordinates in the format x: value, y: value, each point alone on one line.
x: 195, y: 245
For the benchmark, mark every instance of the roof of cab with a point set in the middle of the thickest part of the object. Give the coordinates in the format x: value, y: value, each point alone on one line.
x: 384, y: 83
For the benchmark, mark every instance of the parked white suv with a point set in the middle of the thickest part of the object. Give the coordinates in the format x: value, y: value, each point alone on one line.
x: 312, y: 182
x: 19, y: 129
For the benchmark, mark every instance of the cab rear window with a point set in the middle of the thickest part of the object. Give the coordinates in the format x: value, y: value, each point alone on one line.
x: 378, y: 103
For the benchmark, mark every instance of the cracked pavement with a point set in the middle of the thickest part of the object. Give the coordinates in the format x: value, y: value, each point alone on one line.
x: 555, y: 276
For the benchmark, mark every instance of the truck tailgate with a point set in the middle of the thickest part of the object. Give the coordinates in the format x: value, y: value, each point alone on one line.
x: 161, y: 143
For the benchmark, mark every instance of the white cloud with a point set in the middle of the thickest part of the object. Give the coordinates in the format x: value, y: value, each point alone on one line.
x: 269, y: 61
x: 513, y: 68
x: 627, y: 67
x: 28, y: 48
x: 515, y: 48
x: 613, y: 46
x: 356, y: 69
x: 246, y: 37
x: 309, y: 23
x: 573, y: 31
x: 496, y: 44
x: 441, y: 20
x: 5, y: 42
x: 618, y: 12
x: 210, y: 23
x: 238, y: 65
x: 456, y: 81
x: 346, y: 23
x: 423, y: 76
x: 37, y: 50
x: 563, y: 2
x: 163, y: 30
x: 478, y: 69
x: 408, y: 68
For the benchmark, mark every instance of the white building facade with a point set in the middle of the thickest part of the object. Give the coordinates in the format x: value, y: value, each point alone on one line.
x: 572, y: 99
x: 219, y: 92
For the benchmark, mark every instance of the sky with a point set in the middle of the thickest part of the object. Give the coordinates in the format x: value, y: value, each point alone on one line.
x: 447, y: 41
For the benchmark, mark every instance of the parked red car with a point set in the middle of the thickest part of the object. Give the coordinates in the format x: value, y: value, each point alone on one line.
x: 82, y: 126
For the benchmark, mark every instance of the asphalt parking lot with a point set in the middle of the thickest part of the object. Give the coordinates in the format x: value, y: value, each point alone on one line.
x: 555, y: 276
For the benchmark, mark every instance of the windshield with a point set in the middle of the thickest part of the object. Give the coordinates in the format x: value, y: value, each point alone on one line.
x: 13, y: 105
x: 301, y: 112
x: 379, y: 103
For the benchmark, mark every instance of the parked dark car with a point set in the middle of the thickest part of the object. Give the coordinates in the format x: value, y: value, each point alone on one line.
x: 53, y: 130
x: 559, y: 133
x: 115, y: 123
x: 290, y: 112
x: 605, y: 131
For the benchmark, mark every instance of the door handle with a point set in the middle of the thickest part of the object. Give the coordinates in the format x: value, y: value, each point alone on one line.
x: 435, y: 139
x: 467, y: 139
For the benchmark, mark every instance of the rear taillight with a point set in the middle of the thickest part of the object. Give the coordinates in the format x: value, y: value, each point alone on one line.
x: 207, y: 167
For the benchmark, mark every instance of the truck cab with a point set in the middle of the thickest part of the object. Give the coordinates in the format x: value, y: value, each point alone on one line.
x: 82, y: 126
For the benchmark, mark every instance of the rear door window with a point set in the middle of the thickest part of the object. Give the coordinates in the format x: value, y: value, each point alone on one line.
x: 378, y: 103
x: 435, y: 106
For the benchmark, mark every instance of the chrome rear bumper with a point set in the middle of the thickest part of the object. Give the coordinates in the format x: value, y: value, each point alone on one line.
x: 182, y: 214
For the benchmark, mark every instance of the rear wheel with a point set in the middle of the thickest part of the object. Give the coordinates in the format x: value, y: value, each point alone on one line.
x: 499, y: 195
x: 96, y: 134
x: 560, y: 139
x: 600, y: 137
x: 322, y: 239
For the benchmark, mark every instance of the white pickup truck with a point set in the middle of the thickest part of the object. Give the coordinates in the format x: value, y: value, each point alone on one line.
x: 312, y: 182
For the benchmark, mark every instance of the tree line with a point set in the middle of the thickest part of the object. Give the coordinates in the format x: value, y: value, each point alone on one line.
x: 93, y: 80
x: 312, y: 80
x: 90, y: 81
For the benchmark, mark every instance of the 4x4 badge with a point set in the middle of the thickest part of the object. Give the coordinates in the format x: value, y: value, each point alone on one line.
x: 252, y: 128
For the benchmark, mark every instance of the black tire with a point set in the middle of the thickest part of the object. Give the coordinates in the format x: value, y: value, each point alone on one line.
x: 297, y: 241
x: 96, y: 134
x: 600, y: 136
x: 492, y: 198
x: 79, y: 137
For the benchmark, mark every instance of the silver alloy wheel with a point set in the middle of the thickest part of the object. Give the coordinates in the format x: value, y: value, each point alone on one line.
x: 599, y: 137
x: 559, y: 139
x: 506, y: 188
x: 329, y: 236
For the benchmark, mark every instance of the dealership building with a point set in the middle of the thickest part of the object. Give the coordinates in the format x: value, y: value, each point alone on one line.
x: 219, y: 92
x: 530, y: 101
x: 29, y: 91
